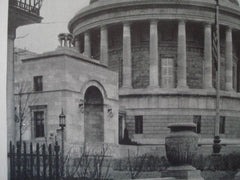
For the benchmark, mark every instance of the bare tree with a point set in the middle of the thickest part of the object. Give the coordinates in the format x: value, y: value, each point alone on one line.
x: 135, y: 164
x: 23, y: 100
x: 88, y: 166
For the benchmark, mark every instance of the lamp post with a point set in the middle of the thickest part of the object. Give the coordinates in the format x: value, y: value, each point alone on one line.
x: 62, y: 124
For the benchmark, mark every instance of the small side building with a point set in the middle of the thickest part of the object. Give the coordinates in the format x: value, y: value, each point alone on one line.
x: 84, y: 89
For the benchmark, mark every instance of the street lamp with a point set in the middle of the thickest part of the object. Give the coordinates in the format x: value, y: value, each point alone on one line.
x: 62, y: 124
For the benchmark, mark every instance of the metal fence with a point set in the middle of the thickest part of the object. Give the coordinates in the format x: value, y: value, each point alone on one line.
x: 39, y: 162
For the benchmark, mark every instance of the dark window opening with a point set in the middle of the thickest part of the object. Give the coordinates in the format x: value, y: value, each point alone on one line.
x: 197, y: 121
x: 39, y: 123
x: 38, y: 85
x: 222, y: 125
x: 138, y: 124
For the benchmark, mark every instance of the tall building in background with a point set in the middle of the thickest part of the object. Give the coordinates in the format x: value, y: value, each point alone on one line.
x: 21, y: 12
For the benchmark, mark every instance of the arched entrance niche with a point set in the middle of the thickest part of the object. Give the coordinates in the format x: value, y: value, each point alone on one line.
x: 93, y: 115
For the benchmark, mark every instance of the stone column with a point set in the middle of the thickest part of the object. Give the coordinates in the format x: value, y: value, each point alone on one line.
x: 207, y: 68
x: 11, y: 128
x: 87, y: 44
x: 153, y: 74
x: 181, y: 56
x: 77, y: 43
x: 127, y: 56
x: 229, y: 60
x: 104, y: 46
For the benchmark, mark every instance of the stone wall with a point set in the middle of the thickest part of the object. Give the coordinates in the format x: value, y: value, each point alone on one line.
x: 160, y: 110
x: 66, y: 77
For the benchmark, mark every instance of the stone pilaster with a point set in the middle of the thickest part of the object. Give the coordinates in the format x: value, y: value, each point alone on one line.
x: 207, y: 67
x: 229, y: 60
x: 181, y: 56
x: 104, y: 46
x: 11, y: 131
x: 153, y: 77
x: 127, y: 56
x: 87, y: 44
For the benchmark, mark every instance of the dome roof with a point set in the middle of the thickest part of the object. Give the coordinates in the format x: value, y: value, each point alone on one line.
x: 232, y: 1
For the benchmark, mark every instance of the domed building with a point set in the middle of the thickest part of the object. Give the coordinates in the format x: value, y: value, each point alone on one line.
x: 136, y: 67
x: 162, y: 52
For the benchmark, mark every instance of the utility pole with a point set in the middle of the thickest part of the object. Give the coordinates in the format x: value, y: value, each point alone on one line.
x: 216, y: 141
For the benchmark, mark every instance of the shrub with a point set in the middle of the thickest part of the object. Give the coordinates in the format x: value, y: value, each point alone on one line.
x: 226, y: 162
x: 150, y: 163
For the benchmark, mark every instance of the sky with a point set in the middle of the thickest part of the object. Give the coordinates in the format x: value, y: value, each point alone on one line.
x: 42, y: 37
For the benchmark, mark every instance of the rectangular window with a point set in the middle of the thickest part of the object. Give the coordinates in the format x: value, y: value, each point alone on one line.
x: 167, y: 73
x: 222, y: 125
x: 197, y: 121
x: 37, y: 83
x: 39, y: 123
x: 138, y: 124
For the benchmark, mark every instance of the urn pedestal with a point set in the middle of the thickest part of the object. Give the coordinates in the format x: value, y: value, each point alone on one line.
x: 181, y: 146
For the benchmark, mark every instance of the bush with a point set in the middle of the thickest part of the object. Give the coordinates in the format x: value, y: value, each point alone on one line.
x: 226, y: 162
x: 151, y: 163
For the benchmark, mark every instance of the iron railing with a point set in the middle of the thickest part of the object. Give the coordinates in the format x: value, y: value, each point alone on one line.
x: 28, y: 162
x: 31, y: 6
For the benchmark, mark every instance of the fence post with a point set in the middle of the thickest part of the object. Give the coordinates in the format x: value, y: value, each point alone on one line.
x: 24, y: 161
x: 31, y: 161
x: 50, y: 161
x: 56, y: 148
x: 38, y: 162
x: 13, y: 163
x: 19, y: 161
x: 11, y: 160
x: 44, y: 161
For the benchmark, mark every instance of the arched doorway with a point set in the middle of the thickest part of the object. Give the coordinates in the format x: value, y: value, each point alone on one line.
x: 93, y: 115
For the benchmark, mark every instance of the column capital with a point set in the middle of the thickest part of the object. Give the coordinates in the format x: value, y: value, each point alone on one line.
x: 154, y: 21
x: 127, y: 23
x: 228, y: 28
x: 104, y: 27
x: 182, y: 21
x: 207, y: 24
x: 87, y: 32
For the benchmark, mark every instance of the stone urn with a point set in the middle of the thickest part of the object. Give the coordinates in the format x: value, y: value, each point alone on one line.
x: 181, y: 144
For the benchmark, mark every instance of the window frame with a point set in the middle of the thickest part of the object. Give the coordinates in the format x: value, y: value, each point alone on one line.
x: 138, y: 124
x: 38, y: 108
x: 197, y: 119
x: 168, y: 65
x: 36, y: 85
x: 222, y: 125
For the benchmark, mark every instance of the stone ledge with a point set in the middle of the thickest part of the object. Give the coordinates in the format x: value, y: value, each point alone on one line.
x: 176, y: 92
x: 64, y: 51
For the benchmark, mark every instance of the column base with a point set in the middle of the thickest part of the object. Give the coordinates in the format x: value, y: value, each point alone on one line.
x: 153, y: 87
x: 182, y: 87
x: 230, y: 89
x: 209, y: 89
x: 182, y: 172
